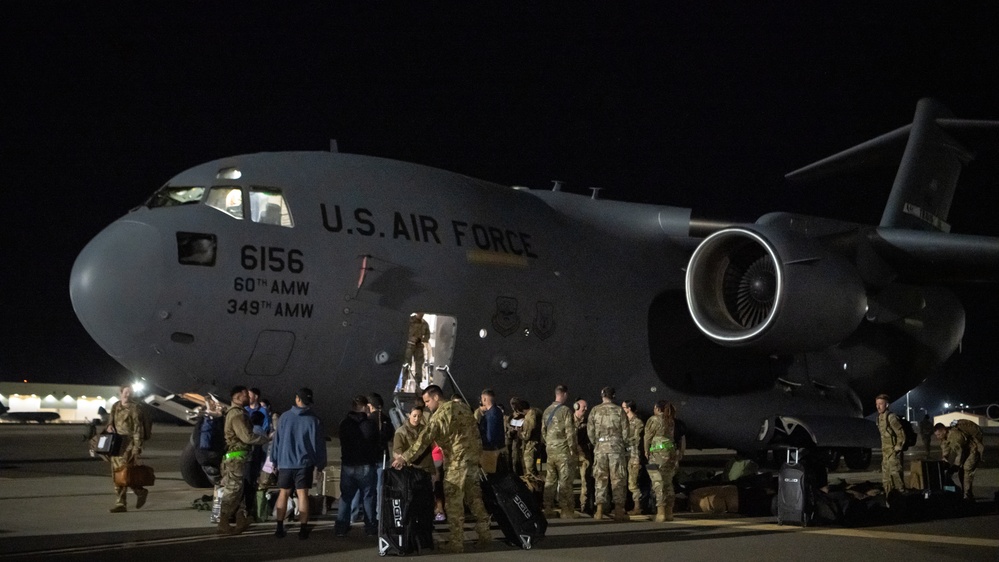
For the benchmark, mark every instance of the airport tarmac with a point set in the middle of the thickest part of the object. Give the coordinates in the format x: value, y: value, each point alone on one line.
x: 54, y: 502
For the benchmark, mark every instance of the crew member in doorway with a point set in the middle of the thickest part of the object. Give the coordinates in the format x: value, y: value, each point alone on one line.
x: 419, y: 337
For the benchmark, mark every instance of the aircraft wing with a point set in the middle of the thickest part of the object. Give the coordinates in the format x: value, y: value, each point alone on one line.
x: 927, y: 255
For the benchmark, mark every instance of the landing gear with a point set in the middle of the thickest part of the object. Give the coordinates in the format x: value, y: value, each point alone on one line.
x: 828, y: 458
x: 190, y: 469
x: 857, y: 458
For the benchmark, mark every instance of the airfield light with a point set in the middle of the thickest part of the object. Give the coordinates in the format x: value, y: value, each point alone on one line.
x: 946, y: 405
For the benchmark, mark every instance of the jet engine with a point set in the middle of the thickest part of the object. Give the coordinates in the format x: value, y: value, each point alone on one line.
x: 772, y: 290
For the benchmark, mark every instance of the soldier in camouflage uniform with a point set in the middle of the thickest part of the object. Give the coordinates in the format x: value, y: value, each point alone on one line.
x: 418, y: 337
x: 239, y: 438
x: 962, y: 447
x: 663, y: 455
x: 892, y: 439
x: 635, y: 430
x: 529, y: 436
x: 585, y: 457
x: 452, y: 426
x: 559, y: 436
x: 608, y: 431
x: 128, y: 419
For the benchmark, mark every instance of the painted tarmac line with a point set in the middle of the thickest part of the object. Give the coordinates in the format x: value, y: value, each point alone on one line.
x: 916, y: 537
x: 853, y: 533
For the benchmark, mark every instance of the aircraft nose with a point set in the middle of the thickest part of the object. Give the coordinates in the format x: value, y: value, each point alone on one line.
x: 116, y: 282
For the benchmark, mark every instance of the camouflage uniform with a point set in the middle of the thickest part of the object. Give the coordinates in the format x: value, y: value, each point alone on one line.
x: 129, y: 422
x: 964, y: 452
x: 419, y: 334
x: 404, y: 438
x: 585, y: 462
x: 635, y: 430
x: 662, y: 452
x: 559, y: 435
x: 453, y: 428
x: 514, y: 446
x: 529, y: 436
x: 608, y: 431
x: 892, y: 438
x: 239, y: 438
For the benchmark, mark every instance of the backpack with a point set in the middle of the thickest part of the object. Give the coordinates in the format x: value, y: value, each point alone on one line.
x: 973, y: 431
x: 144, y: 417
x: 211, y: 436
x: 910, y: 434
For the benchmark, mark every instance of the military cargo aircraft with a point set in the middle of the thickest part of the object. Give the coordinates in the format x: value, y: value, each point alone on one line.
x: 290, y: 269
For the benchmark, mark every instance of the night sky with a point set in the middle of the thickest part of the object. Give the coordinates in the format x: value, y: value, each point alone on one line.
x: 677, y: 104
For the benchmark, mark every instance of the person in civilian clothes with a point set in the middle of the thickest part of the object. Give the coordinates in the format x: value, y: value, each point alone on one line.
x: 360, y: 452
x: 299, y: 450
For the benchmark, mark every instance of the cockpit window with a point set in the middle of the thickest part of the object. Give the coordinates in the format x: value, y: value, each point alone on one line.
x: 267, y: 206
x: 171, y: 196
x: 227, y: 199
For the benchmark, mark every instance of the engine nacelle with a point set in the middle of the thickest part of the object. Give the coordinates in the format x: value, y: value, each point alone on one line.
x: 773, y: 290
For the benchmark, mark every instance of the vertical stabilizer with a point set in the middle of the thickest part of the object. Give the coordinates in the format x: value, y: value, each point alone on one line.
x: 927, y: 175
x: 929, y: 152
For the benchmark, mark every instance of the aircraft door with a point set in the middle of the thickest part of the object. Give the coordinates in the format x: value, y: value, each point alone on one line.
x: 271, y: 353
x: 442, y: 343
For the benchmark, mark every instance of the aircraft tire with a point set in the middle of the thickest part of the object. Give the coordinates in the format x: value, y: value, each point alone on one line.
x: 857, y: 458
x: 190, y: 469
x: 830, y: 458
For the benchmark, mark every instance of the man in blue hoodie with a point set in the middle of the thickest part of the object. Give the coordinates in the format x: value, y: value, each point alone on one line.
x: 298, y: 449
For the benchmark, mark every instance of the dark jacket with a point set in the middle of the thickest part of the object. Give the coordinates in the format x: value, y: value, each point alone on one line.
x: 491, y: 429
x: 359, y: 440
x: 386, y: 432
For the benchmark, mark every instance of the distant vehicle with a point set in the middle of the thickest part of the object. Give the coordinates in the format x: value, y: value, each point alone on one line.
x: 25, y: 417
x: 291, y: 269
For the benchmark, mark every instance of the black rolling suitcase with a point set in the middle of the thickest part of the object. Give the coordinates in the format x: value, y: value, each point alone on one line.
x: 407, y: 521
x: 930, y: 476
x: 794, y: 500
x: 515, y: 508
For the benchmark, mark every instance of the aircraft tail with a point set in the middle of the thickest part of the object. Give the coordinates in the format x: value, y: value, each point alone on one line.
x: 930, y: 152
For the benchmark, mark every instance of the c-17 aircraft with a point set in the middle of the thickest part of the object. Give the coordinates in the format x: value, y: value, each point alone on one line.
x: 290, y: 269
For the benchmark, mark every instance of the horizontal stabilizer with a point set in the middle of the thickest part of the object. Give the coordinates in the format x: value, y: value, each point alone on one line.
x: 929, y: 153
x: 880, y: 151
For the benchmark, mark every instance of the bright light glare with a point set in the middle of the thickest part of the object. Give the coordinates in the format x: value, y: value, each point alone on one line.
x: 138, y: 386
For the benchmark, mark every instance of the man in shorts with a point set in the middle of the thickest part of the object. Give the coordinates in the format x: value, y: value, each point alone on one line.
x: 299, y: 450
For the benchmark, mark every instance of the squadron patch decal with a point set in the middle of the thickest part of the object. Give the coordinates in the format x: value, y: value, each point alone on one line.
x: 506, y: 320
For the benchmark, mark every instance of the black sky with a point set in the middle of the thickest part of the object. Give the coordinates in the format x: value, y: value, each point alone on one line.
x: 677, y: 104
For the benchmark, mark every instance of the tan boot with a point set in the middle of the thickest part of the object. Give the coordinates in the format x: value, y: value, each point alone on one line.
x: 637, y: 510
x: 224, y: 527
x: 599, y: 514
x: 661, y: 514
x: 568, y: 513
x: 242, y: 522
x: 669, y: 511
x: 620, y: 516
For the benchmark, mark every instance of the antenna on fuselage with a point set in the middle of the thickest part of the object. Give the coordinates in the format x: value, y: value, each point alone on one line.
x: 556, y: 185
x: 594, y: 191
x: 333, y: 146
